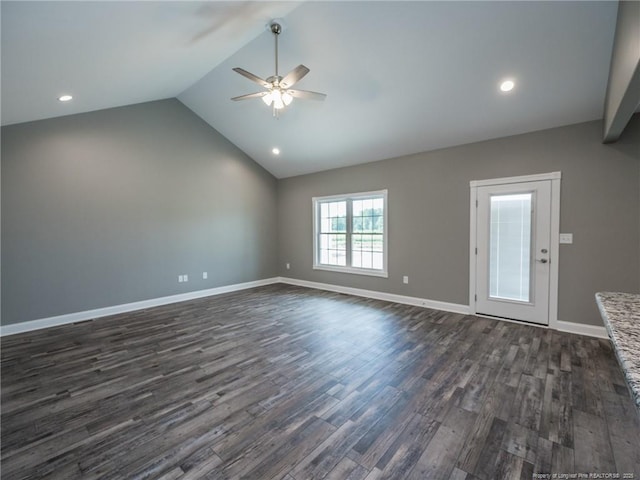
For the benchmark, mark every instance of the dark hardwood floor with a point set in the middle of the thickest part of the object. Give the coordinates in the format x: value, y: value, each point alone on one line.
x: 292, y: 383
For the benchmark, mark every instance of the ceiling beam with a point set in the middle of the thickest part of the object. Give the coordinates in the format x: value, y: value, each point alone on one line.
x: 623, y: 89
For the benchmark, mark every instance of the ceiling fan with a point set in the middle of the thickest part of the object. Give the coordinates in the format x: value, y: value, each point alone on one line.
x: 278, y: 92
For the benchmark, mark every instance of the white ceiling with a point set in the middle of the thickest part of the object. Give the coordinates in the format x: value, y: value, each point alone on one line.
x: 114, y: 53
x: 401, y: 77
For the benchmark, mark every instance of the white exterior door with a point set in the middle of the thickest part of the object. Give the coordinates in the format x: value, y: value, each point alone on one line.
x: 514, y: 250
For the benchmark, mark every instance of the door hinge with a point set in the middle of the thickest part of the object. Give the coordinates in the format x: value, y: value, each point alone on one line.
x: 476, y: 298
x: 476, y: 250
x: 476, y: 203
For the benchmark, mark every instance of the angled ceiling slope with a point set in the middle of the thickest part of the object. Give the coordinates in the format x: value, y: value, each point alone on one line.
x: 401, y: 77
x: 113, y: 53
x: 407, y: 77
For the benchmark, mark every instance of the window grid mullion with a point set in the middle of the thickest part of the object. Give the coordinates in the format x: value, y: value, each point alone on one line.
x: 349, y: 231
x: 318, y: 230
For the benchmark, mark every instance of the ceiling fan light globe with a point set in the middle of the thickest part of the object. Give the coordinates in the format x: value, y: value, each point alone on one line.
x: 276, y: 93
x: 286, y: 98
x: 268, y: 98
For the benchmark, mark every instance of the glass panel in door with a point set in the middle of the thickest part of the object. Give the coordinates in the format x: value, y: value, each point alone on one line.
x: 510, y: 247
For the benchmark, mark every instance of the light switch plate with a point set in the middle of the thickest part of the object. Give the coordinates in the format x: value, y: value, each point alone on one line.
x: 566, y: 238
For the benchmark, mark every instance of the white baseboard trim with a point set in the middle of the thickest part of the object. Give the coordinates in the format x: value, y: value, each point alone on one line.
x: 389, y: 297
x: 582, y: 329
x: 12, y: 329
x: 568, y: 327
x: 15, y: 328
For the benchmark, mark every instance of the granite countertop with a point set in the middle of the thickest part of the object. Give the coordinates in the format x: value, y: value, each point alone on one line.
x: 621, y: 315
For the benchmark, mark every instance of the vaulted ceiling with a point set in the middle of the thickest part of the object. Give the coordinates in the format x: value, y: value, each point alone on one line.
x: 400, y: 77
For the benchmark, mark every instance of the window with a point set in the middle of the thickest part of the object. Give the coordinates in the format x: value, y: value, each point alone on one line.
x: 350, y: 233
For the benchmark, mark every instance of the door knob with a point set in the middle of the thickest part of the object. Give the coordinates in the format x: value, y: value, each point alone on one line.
x: 543, y: 260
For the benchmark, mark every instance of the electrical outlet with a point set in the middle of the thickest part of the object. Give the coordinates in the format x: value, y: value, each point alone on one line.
x: 180, y: 279
x: 288, y: 266
x: 185, y: 278
x: 205, y: 275
x: 405, y: 279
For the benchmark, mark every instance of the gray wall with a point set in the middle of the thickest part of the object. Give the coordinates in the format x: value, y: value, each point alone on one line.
x: 429, y: 214
x: 105, y: 208
x: 623, y: 88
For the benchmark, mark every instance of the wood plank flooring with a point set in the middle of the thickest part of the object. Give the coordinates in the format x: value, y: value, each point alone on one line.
x: 289, y: 383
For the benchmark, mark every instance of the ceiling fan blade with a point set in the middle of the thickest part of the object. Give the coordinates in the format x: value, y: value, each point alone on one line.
x: 307, y: 95
x: 250, y: 95
x: 294, y: 76
x: 252, y: 77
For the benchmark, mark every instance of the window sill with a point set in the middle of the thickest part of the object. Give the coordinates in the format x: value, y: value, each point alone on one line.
x: 352, y: 270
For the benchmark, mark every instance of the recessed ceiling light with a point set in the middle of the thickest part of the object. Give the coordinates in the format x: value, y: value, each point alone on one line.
x: 507, y: 85
x: 65, y: 98
x: 275, y: 151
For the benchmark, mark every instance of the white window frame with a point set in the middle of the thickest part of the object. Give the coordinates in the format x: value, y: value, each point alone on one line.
x: 385, y: 234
